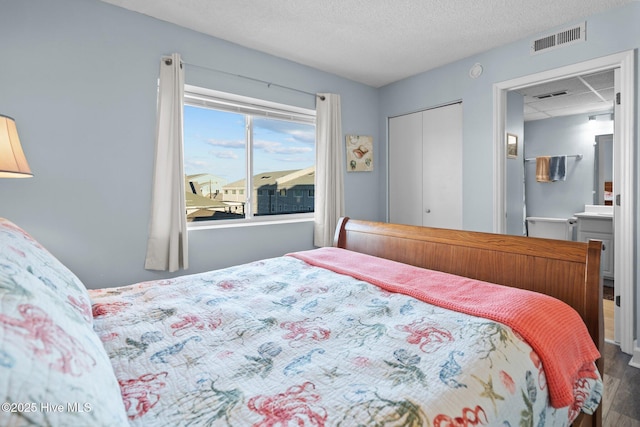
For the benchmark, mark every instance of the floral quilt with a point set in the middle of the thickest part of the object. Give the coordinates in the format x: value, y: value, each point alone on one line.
x: 282, y: 343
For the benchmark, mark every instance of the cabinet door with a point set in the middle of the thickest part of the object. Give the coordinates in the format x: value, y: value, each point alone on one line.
x: 405, y: 169
x: 442, y: 167
x: 606, y: 258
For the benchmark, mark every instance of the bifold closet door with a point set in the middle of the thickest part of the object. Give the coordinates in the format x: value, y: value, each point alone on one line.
x: 425, y: 168
x: 405, y: 169
x: 442, y: 167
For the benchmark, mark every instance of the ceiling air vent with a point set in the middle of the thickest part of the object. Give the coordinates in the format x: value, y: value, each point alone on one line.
x: 561, y: 38
x: 552, y: 95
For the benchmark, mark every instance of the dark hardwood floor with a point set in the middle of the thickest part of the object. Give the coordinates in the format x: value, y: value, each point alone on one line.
x: 621, y: 400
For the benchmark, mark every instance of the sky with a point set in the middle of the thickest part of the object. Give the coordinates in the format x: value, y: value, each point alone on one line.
x: 214, y: 143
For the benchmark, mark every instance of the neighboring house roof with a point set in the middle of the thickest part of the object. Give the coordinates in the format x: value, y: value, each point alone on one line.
x: 194, y: 176
x: 194, y: 201
x: 301, y: 177
x: 286, y: 178
x: 205, y: 178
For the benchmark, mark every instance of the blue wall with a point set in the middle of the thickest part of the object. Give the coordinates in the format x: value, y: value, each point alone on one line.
x: 610, y: 32
x: 556, y: 136
x: 80, y: 78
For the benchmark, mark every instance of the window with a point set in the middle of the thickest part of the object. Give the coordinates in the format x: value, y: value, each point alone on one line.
x: 243, y: 156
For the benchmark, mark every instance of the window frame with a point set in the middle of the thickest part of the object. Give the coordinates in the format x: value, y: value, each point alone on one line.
x: 251, y: 107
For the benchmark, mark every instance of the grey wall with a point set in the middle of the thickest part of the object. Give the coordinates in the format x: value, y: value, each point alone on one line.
x: 556, y: 136
x: 80, y: 78
x: 515, y: 167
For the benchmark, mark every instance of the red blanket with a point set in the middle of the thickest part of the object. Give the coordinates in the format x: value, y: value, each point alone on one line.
x: 553, y: 329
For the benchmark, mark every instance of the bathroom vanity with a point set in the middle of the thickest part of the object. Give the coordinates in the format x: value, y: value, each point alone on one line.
x: 596, y: 222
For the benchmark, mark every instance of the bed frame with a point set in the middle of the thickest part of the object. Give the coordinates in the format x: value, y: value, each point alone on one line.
x: 569, y: 271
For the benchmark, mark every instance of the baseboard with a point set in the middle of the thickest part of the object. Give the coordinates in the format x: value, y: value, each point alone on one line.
x: 635, y: 357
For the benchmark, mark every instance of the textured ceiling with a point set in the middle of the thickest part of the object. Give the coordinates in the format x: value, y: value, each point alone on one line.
x: 375, y: 42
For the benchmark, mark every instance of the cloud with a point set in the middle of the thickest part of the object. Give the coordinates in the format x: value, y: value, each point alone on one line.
x: 228, y: 154
x: 196, y: 165
x: 307, y: 137
x: 296, y: 132
x: 274, y: 147
x: 296, y: 159
x: 196, y: 162
x: 228, y: 144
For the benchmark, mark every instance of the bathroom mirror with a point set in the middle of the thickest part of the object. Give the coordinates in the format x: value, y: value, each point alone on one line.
x: 603, y: 169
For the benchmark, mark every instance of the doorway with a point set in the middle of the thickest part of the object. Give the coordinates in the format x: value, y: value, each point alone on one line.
x: 561, y: 117
x: 624, y: 211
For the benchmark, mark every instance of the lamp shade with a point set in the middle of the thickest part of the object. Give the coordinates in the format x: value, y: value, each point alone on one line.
x: 13, y: 163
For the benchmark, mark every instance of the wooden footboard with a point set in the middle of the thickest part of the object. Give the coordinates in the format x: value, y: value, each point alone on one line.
x: 569, y: 271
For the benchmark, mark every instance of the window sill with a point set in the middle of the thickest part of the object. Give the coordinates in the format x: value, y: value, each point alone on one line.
x: 235, y: 223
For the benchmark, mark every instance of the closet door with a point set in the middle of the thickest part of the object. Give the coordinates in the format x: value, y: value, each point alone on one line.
x: 442, y: 167
x: 425, y: 168
x: 405, y: 169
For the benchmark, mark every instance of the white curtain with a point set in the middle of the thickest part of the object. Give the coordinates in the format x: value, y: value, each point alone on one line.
x: 167, y: 244
x: 329, y: 191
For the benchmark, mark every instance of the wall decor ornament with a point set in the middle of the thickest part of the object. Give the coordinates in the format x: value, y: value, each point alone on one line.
x: 359, y: 153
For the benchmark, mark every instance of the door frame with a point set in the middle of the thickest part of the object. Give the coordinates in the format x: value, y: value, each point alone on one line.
x: 624, y: 215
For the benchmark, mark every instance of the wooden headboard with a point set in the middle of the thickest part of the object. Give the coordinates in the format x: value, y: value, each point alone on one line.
x: 569, y: 271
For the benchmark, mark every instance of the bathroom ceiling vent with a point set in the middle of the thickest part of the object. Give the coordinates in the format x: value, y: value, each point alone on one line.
x: 568, y: 36
x: 552, y: 94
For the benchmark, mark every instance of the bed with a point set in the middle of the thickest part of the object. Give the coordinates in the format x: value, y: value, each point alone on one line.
x: 391, y: 326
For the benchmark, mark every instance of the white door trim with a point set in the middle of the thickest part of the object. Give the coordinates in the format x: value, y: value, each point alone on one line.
x: 624, y: 215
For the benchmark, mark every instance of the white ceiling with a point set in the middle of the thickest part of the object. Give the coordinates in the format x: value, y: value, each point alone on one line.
x: 375, y: 42
x: 576, y: 95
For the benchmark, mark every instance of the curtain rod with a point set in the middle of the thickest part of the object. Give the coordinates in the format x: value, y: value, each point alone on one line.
x: 269, y: 84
